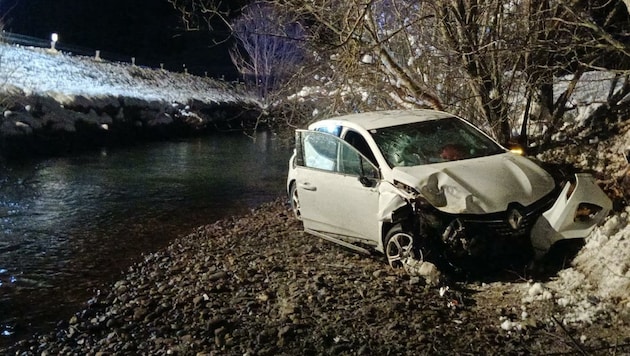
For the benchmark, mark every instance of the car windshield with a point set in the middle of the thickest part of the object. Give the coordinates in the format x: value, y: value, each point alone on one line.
x: 433, y: 141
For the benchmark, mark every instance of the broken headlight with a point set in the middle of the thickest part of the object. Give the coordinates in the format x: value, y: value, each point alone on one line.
x: 586, y: 212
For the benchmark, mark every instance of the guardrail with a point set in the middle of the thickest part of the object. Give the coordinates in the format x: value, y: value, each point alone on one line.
x: 24, y: 40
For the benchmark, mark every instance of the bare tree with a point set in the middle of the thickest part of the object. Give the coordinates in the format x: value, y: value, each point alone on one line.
x: 442, y: 54
x: 488, y: 60
x: 269, y: 49
x: 485, y: 59
x: 357, y: 63
x: 207, y: 14
x: 570, y: 38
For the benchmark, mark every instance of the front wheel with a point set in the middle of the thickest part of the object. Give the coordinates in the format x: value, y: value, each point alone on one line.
x: 295, y: 201
x: 399, y: 246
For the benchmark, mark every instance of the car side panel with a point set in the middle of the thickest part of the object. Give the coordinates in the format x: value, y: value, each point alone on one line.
x: 337, y: 204
x: 332, y: 197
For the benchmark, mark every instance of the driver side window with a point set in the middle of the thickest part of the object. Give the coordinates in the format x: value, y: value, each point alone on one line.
x: 357, y: 141
x: 326, y: 152
x: 353, y: 163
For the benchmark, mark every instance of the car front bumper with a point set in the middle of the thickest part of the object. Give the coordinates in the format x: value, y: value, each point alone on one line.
x: 579, y: 208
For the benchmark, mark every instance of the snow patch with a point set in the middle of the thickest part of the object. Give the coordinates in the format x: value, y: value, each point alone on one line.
x: 598, y: 282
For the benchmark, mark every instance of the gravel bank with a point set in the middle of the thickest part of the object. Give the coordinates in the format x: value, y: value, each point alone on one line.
x: 257, y: 285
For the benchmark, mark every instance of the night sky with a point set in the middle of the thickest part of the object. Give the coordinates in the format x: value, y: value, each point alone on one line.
x: 149, y: 30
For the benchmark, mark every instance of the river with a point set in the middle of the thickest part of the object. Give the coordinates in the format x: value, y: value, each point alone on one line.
x: 69, y: 226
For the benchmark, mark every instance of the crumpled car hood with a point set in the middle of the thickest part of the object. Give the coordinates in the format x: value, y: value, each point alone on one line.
x: 478, y: 185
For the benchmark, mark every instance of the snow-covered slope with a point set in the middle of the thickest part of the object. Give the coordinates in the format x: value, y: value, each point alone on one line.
x: 38, y: 71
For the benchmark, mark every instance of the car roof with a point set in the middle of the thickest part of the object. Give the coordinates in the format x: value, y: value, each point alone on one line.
x: 386, y: 118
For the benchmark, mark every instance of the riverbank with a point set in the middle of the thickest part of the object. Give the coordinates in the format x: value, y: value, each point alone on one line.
x: 58, y: 102
x: 257, y: 285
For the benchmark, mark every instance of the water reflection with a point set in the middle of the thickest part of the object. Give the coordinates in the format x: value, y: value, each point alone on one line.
x: 69, y: 226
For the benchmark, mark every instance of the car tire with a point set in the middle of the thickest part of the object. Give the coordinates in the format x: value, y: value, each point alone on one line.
x: 399, y: 245
x: 294, y: 201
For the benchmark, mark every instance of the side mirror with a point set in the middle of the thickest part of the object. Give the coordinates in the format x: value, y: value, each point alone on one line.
x: 367, y: 182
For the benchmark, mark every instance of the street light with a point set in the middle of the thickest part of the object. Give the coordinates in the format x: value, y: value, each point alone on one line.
x: 54, y: 37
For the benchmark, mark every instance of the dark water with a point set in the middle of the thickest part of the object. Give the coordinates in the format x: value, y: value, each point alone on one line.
x: 69, y: 226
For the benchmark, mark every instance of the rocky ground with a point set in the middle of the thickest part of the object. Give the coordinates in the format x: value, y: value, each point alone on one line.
x: 257, y: 285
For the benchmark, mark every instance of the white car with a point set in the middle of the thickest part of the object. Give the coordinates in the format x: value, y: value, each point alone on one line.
x: 425, y: 184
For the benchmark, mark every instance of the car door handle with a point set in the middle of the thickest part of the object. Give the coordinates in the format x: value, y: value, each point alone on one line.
x: 308, y: 186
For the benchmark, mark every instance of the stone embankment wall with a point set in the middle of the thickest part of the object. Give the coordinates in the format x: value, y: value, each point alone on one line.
x: 35, y: 123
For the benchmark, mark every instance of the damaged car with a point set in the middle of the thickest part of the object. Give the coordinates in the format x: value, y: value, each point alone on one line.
x: 429, y: 185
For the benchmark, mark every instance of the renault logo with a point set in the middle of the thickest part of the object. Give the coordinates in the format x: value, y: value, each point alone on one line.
x: 515, y: 219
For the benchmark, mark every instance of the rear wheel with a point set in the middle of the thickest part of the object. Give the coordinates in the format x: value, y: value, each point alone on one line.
x: 399, y: 246
x: 295, y: 201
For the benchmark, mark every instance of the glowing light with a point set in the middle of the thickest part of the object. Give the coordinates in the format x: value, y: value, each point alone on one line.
x: 517, y: 150
x: 54, y: 37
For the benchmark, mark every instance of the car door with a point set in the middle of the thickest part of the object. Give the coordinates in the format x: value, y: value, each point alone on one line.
x: 337, y: 187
